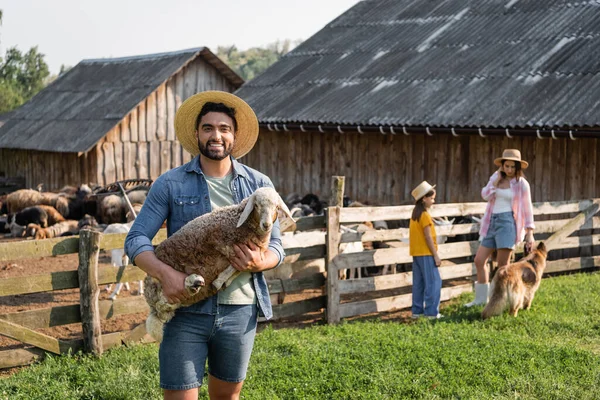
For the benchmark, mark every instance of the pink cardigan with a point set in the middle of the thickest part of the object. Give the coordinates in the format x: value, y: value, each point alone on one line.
x: 521, y: 205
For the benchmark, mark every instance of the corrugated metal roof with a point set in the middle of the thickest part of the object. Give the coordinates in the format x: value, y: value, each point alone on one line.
x: 74, y: 112
x: 474, y: 63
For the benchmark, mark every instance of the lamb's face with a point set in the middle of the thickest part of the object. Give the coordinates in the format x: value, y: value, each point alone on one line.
x: 262, y: 209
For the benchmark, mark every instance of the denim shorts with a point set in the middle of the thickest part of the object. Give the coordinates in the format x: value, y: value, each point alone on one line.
x: 225, y: 338
x: 502, y: 233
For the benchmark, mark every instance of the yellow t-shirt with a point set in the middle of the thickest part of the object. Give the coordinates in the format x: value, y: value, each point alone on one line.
x: 418, y: 244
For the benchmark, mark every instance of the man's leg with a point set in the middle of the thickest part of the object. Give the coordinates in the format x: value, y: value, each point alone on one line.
x: 230, y: 348
x: 190, y: 394
x: 222, y: 390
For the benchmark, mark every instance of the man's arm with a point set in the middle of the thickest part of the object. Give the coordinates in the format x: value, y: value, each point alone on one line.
x: 138, y: 244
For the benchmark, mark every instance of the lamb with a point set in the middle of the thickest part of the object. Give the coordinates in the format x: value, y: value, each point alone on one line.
x: 202, y: 249
x: 111, y: 209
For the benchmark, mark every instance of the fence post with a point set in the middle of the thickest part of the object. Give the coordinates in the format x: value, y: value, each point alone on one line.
x: 337, y: 191
x: 89, y: 250
x: 333, y: 248
x: 336, y: 201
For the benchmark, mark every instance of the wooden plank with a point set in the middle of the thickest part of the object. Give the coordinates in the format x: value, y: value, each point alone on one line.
x: 129, y: 160
x: 38, y: 283
x: 306, y: 253
x: 31, y: 337
x: 336, y: 198
x: 572, y: 264
x: 133, y: 125
x: 151, y: 115
x: 109, y: 162
x: 113, y: 241
x: 572, y: 226
x: 171, y: 101
x: 135, y: 335
x: 119, y: 167
x: 299, y: 307
x: 161, y: 113
x: 20, y: 357
x: 89, y: 248
x: 38, y: 248
x: 64, y: 315
x: 385, y: 282
x: 395, y: 302
x: 125, y: 132
x: 380, y: 257
x: 333, y: 246
x: 141, y: 162
x: 314, y: 281
x: 175, y: 154
x: 310, y: 223
x: 179, y: 95
x: 165, y: 157
x: 360, y: 214
x: 141, y: 109
x: 99, y: 164
x: 110, y: 274
x: 154, y: 160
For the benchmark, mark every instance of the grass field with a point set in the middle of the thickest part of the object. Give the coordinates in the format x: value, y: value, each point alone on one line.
x: 549, y: 352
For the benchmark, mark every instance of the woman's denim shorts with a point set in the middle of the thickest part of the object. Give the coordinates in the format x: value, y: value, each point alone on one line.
x: 502, y: 233
x: 225, y: 338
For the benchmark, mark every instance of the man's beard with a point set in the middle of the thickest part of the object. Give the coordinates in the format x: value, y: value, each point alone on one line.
x: 216, y: 155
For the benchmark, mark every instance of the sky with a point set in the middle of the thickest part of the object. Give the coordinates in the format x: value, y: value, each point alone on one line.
x: 68, y: 31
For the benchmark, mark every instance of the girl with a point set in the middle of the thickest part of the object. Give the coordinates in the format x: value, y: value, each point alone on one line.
x: 508, y: 215
x: 427, y: 283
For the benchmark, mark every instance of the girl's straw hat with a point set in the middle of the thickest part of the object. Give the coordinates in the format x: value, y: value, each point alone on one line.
x: 421, y: 190
x: 513, y: 155
x: 246, y: 133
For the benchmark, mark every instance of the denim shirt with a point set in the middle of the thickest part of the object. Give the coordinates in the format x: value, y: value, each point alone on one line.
x: 179, y: 196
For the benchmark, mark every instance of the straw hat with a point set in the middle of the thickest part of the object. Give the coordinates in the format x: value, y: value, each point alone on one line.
x: 513, y: 155
x: 246, y: 133
x: 421, y: 190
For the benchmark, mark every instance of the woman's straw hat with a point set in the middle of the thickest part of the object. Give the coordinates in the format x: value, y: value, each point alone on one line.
x: 421, y: 190
x: 513, y: 155
x: 246, y: 133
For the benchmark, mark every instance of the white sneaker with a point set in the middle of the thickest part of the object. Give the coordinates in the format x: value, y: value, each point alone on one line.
x: 435, y: 316
x: 416, y: 316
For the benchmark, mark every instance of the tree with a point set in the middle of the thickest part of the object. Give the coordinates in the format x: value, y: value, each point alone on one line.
x: 252, y: 62
x: 22, y: 75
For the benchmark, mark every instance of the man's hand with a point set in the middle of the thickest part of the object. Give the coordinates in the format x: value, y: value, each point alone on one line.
x: 173, y: 285
x: 248, y: 257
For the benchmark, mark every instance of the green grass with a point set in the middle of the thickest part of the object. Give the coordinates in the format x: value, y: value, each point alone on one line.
x: 549, y: 352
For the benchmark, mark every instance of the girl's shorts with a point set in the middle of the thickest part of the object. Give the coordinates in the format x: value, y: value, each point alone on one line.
x: 502, y: 233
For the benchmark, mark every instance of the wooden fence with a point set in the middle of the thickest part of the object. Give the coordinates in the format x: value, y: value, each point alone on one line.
x: 342, y: 299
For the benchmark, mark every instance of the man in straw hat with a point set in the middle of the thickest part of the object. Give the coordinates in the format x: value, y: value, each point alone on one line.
x: 217, y: 128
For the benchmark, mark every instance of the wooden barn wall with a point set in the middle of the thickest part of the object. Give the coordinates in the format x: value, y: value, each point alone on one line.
x: 143, y: 145
x: 53, y: 170
x: 383, y: 169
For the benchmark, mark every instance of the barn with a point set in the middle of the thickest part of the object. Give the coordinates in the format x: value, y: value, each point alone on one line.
x: 107, y: 119
x: 394, y: 92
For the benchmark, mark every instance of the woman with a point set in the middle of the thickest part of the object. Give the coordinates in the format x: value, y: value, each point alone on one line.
x: 508, y: 218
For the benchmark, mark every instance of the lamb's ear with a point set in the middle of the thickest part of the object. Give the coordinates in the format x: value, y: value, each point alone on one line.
x: 247, y: 211
x: 286, y: 224
x: 283, y: 207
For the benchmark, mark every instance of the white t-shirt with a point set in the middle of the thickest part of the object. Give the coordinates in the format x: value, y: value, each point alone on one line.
x: 503, y: 203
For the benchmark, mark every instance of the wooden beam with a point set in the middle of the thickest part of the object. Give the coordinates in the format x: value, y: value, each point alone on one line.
x: 39, y: 283
x: 573, y: 225
x: 299, y: 307
x: 38, y: 248
x: 29, y: 336
x: 395, y: 302
x: 314, y: 281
